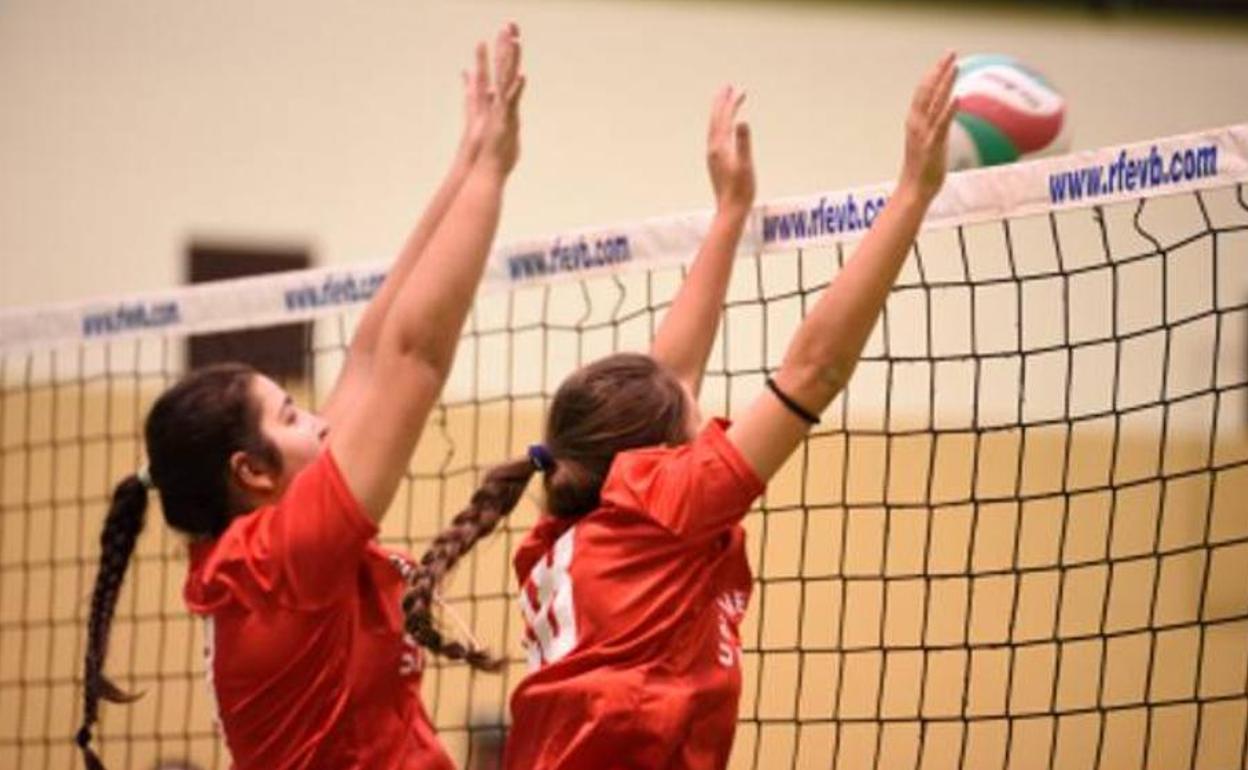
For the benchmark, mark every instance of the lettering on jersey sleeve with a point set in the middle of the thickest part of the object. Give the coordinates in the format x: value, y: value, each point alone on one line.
x: 411, y: 658
x: 731, y: 606
x: 210, y: 646
x: 548, y: 606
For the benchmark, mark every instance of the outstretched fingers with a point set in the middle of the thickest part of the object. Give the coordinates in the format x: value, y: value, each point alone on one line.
x: 723, y: 124
x: 927, y: 126
x: 943, y: 91
x: 477, y: 84
x: 512, y: 97
x: 937, y: 80
x: 716, y: 127
x: 728, y: 151
x: 940, y: 108
x: 507, y: 79
x: 502, y: 123
x: 745, y: 145
x: 481, y: 72
x: 737, y: 100
x: 944, y: 119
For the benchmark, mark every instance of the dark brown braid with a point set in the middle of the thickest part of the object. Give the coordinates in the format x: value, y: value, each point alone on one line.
x: 495, y: 498
x: 122, y: 526
x: 190, y: 433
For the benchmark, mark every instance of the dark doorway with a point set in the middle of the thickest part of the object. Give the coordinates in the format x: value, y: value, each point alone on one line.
x: 282, y: 352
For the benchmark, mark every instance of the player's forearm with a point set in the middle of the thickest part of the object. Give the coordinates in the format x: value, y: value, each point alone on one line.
x: 436, y: 294
x: 826, y: 348
x: 683, y: 341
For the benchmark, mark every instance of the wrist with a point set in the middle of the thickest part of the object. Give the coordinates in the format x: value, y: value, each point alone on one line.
x: 488, y: 166
x: 461, y: 164
x: 732, y: 210
x: 467, y: 151
x: 910, y: 192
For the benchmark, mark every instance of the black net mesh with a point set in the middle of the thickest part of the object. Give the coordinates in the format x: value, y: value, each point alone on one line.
x: 1018, y: 540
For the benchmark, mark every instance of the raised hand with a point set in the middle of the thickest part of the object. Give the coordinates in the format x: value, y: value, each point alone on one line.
x: 927, y: 128
x: 683, y: 341
x: 501, y: 128
x: 420, y: 318
x: 480, y: 100
x: 728, y: 155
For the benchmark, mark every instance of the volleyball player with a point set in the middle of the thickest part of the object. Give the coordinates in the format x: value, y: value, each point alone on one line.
x: 308, y: 659
x: 634, y: 581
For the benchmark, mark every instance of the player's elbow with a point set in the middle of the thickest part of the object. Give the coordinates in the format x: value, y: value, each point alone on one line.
x: 408, y: 376
x: 816, y: 381
x: 415, y: 346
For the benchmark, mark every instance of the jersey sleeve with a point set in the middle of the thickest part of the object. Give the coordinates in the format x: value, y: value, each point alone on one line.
x: 319, y: 532
x: 693, y: 490
x: 302, y: 552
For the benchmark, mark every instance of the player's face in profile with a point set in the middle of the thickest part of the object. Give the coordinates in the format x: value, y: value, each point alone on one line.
x: 296, y: 433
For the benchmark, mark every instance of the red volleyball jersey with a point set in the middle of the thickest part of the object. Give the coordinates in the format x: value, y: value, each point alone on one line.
x: 631, y: 616
x: 305, y: 643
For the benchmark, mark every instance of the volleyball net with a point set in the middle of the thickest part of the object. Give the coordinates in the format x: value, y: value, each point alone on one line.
x: 1018, y: 540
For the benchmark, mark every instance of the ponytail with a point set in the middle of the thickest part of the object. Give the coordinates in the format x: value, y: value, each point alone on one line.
x: 121, y: 530
x: 495, y: 498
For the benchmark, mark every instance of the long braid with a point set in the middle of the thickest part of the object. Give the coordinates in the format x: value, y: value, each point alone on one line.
x: 122, y: 526
x: 494, y: 499
x: 190, y: 434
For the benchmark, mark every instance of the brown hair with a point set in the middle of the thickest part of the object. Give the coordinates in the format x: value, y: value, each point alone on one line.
x: 190, y: 433
x: 625, y: 401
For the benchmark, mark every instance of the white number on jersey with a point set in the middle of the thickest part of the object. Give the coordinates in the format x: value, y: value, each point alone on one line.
x: 546, y: 601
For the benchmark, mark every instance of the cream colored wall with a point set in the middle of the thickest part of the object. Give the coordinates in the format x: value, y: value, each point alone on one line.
x: 131, y: 127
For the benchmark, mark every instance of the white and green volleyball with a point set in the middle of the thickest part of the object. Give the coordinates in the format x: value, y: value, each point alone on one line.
x: 1006, y: 111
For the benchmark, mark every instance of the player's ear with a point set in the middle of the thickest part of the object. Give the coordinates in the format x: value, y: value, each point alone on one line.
x: 251, y: 476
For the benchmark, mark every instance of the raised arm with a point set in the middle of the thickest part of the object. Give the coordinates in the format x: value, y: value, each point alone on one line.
x: 377, y: 431
x: 684, y: 339
x: 357, y: 367
x: 826, y: 347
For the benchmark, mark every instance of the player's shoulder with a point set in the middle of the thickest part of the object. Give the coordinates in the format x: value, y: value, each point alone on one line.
x: 634, y: 474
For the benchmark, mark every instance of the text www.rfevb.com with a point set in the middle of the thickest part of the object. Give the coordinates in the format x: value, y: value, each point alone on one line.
x: 829, y: 217
x: 571, y: 257
x: 334, y: 291
x: 130, y: 316
x: 1129, y: 172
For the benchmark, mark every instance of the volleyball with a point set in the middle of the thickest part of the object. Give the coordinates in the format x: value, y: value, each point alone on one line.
x: 1006, y: 111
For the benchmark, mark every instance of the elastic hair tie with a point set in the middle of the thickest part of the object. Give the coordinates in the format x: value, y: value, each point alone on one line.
x: 790, y: 404
x: 144, y: 475
x: 541, y: 458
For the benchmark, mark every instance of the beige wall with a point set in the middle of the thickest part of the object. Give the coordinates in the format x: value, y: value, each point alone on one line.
x: 132, y: 126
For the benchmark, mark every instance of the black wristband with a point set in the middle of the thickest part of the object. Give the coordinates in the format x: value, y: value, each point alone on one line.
x: 790, y: 404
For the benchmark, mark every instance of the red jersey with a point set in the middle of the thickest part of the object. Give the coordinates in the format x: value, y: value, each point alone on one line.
x: 631, y: 616
x: 305, y: 643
